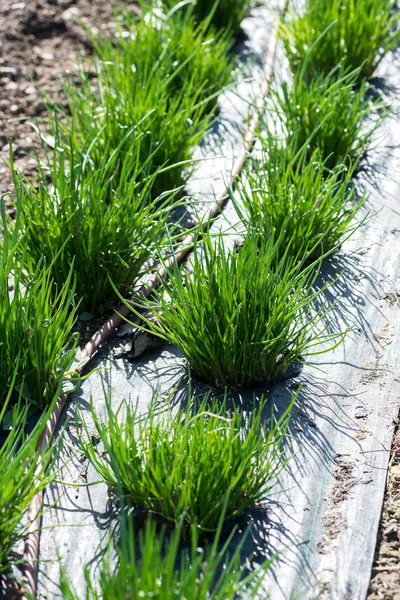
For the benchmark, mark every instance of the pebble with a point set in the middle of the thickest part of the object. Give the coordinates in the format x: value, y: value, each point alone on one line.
x: 24, y: 141
x: 46, y: 56
x: 70, y: 13
x: 30, y: 90
x: 18, y: 6
x: 395, y: 472
x: 11, y: 86
x: 8, y: 72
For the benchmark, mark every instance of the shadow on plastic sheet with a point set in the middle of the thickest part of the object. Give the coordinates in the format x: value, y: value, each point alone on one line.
x: 225, y: 130
x: 317, y: 414
x: 103, y: 521
x: 351, y: 283
x: 318, y: 409
x: 317, y: 417
x: 9, y: 588
x: 266, y: 529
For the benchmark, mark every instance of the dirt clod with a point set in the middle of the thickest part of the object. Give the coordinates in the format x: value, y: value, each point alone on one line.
x: 333, y: 520
x: 40, y: 42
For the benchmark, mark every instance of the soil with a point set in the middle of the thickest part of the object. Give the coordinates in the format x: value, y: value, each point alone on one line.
x: 385, y: 582
x: 40, y: 42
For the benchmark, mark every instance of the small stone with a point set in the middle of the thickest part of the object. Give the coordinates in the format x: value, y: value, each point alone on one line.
x: 30, y: 90
x: 46, y: 56
x: 11, y: 86
x: 122, y: 350
x: 70, y: 13
x: 8, y: 72
x: 14, y: 108
x: 18, y: 6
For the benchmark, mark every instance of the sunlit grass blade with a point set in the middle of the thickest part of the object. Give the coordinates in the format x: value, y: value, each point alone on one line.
x: 353, y: 33
x: 161, y: 76
x: 330, y: 113
x: 240, y: 317
x: 23, y: 474
x: 107, y: 228
x: 284, y: 190
x: 36, y: 318
x: 153, y: 564
x: 181, y: 466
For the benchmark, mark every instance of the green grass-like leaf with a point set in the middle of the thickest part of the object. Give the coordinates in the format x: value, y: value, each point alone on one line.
x: 329, y: 113
x: 182, y: 466
x: 285, y: 191
x: 159, y: 568
x: 354, y: 33
x: 239, y: 318
x: 106, y: 228
x: 36, y: 319
x: 23, y: 474
x: 161, y: 76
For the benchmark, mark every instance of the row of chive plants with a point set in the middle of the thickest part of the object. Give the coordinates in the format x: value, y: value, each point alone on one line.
x: 243, y: 316
x: 102, y: 206
x: 237, y: 348
x: 159, y: 465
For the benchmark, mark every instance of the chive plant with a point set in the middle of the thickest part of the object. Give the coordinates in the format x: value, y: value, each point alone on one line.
x: 106, y: 228
x: 181, y: 467
x: 329, y: 113
x: 36, y: 318
x: 23, y: 473
x: 355, y: 33
x: 224, y: 14
x: 286, y: 190
x: 160, y: 569
x: 239, y: 317
x: 161, y: 76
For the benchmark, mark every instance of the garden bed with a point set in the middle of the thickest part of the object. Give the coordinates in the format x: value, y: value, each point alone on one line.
x: 322, y: 517
x: 324, y: 520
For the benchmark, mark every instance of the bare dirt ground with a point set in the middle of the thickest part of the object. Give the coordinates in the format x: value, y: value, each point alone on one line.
x: 385, y: 583
x: 40, y: 40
